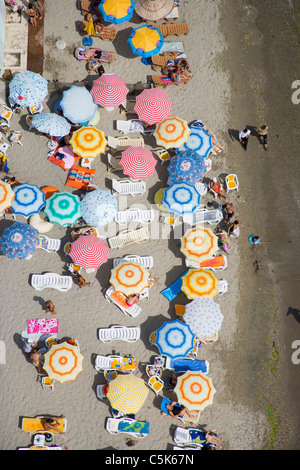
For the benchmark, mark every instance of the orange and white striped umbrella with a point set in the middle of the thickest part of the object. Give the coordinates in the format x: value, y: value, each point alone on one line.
x: 199, y: 244
x: 129, y: 278
x: 172, y: 132
x: 194, y: 390
x: 137, y: 162
x: 88, y: 142
x: 127, y: 393
x: 6, y: 195
x: 63, y: 362
x: 199, y: 283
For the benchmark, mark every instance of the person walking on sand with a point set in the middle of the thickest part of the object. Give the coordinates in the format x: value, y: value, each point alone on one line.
x: 50, y: 307
x: 244, y: 137
x: 263, y: 135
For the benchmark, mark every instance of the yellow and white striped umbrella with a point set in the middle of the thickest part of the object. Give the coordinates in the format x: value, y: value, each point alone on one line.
x: 199, y: 244
x: 127, y: 393
x: 63, y: 362
x: 129, y: 278
x: 88, y: 142
x: 199, y: 283
x: 172, y: 132
x: 194, y: 390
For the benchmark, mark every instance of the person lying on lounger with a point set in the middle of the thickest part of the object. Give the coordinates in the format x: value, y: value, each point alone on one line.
x: 90, y: 53
x: 175, y: 410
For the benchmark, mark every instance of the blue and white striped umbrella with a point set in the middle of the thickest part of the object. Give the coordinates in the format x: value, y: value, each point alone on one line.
x: 63, y: 208
x: 27, y: 89
x: 51, y: 123
x: 19, y: 240
x: 174, y: 339
x: 199, y: 141
x: 28, y: 200
x: 187, y: 167
x: 78, y: 104
x: 181, y: 198
x: 203, y: 316
x: 98, y: 207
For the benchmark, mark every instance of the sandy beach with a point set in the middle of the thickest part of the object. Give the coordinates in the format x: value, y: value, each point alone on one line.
x: 244, y: 59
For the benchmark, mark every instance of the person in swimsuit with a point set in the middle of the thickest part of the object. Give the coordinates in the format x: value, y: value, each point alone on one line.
x: 229, y: 211
x: 51, y: 424
x: 132, y: 299
x: 36, y: 360
x: 215, y: 185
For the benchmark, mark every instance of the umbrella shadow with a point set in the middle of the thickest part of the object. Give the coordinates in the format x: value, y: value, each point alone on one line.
x: 121, y: 45
x: 295, y: 312
x: 103, y: 274
x: 150, y: 325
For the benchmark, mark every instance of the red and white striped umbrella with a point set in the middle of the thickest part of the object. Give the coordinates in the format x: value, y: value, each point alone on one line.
x: 137, y: 162
x: 152, y: 106
x: 109, y: 90
x: 89, y: 251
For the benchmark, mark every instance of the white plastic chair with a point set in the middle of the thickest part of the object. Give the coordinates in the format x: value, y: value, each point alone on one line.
x: 146, y: 261
x: 51, y: 245
x: 134, y: 215
x: 203, y: 215
x: 127, y: 237
x: 231, y: 182
x: 119, y: 333
x: 51, y: 280
x: 16, y: 137
x: 29, y: 122
x: 47, y: 382
x: 6, y: 112
x: 223, y: 286
x: 208, y: 164
x: 133, y: 310
x: 128, y: 187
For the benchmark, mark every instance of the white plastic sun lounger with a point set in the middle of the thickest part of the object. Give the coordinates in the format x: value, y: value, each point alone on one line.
x: 115, y: 362
x: 137, y: 429
x: 184, y: 436
x: 51, y: 245
x: 122, y: 143
x: 134, y: 215
x: 119, y: 333
x: 133, y: 125
x: 128, y: 187
x: 51, y: 280
x: 126, y: 237
x: 146, y: 261
x: 203, y: 215
x: 133, y: 311
x: 209, y: 264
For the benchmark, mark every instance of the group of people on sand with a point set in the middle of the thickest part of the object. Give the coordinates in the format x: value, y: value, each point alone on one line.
x: 177, y: 67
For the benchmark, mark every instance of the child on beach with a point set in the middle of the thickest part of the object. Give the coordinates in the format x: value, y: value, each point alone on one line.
x: 81, y: 282
x: 50, y: 307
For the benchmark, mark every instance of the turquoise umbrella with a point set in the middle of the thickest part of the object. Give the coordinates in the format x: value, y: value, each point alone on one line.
x: 63, y: 208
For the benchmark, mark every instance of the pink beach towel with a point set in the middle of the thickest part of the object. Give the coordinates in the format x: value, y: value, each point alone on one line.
x: 42, y: 325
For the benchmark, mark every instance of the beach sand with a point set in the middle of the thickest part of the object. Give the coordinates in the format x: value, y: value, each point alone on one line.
x: 244, y: 61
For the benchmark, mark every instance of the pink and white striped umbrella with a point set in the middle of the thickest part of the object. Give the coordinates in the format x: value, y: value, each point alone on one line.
x: 153, y: 105
x: 137, y: 162
x: 89, y: 251
x: 109, y: 90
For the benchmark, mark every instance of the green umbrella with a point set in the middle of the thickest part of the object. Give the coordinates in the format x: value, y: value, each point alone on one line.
x: 63, y: 208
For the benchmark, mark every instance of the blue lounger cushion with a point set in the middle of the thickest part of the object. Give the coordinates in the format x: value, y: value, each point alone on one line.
x: 141, y: 427
x: 174, y: 289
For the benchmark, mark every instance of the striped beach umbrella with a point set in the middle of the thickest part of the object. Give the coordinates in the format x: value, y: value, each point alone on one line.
x: 199, y: 244
x: 187, y: 167
x: 89, y: 251
x: 6, y: 196
x: 199, y: 283
x: 29, y: 199
x: 153, y: 10
x: 203, y: 316
x: 145, y: 41
x: 172, y: 132
x: 88, y: 142
x: 174, y: 339
x: 117, y: 12
x: 153, y: 105
x: 181, y: 198
x: 98, y: 207
x: 138, y: 162
x: 194, y: 390
x: 129, y: 278
x: 63, y: 362
x: 51, y: 123
x: 27, y: 89
x: 127, y: 393
x: 109, y: 90
x: 199, y: 141
x: 63, y: 208
x: 19, y: 240
x: 78, y: 104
